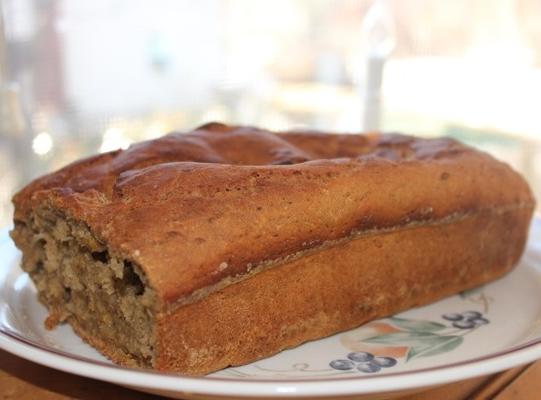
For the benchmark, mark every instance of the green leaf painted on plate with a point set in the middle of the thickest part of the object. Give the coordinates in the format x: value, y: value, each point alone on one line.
x: 444, y: 344
x: 417, y: 326
x: 408, y: 338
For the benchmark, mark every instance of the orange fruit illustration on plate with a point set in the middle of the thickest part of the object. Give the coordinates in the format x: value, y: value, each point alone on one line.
x: 354, y: 340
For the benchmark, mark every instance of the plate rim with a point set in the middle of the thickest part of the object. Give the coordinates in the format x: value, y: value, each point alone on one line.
x: 211, y: 385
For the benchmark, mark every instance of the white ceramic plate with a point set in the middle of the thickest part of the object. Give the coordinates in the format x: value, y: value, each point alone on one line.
x: 486, y: 330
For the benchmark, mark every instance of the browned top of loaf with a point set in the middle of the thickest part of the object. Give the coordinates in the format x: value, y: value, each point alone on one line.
x: 193, y: 209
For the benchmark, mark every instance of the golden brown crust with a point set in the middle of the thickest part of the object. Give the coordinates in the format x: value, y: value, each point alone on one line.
x: 193, y: 210
x: 338, y: 289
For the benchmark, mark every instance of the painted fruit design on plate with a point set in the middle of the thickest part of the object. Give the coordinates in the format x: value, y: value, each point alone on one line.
x: 381, y: 344
x: 354, y: 340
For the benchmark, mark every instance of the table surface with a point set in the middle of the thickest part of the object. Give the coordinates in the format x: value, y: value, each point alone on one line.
x: 23, y: 380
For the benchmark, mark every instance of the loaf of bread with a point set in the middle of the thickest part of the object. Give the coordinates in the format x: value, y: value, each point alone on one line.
x: 218, y: 247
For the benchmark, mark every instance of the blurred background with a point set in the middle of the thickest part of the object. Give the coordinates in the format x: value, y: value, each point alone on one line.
x: 79, y: 77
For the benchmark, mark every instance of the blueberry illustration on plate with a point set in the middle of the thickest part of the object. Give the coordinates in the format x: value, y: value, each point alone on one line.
x: 472, y: 314
x: 466, y: 319
x: 452, y: 316
x: 467, y: 324
x: 364, y: 362
x: 369, y: 367
x: 360, y: 356
x: 342, y: 365
x: 384, y: 362
x: 480, y: 321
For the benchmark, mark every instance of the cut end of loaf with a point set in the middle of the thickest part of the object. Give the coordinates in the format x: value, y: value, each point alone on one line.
x: 104, y: 297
